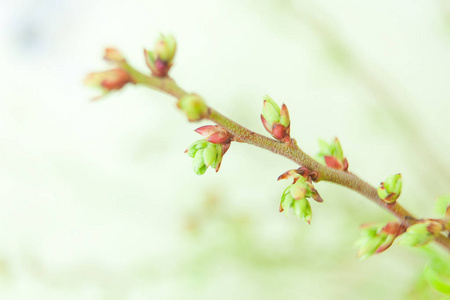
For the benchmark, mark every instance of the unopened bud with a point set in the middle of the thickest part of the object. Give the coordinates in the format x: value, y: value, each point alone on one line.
x: 302, y: 209
x: 390, y: 189
x: 377, y: 238
x: 113, y: 55
x: 165, y: 48
x: 332, y: 155
x: 275, y: 120
x: 421, y: 233
x: 205, y: 155
x: 215, y: 134
x: 109, y: 80
x: 194, y: 107
x: 296, y: 195
x: 160, y: 60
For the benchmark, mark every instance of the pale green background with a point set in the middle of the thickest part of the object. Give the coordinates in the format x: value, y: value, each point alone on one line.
x: 98, y: 200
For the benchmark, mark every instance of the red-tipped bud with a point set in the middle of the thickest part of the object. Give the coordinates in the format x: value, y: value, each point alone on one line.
x: 160, y: 60
x: 109, y: 80
x: 215, y: 134
x: 275, y: 120
x: 332, y: 155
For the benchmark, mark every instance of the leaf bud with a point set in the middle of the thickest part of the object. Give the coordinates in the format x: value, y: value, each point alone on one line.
x: 194, y: 107
x: 390, y: 189
x: 160, y: 60
x: 332, y: 155
x: 275, y: 120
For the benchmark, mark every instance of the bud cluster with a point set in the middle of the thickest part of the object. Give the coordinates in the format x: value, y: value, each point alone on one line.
x: 205, y: 154
x: 296, y: 194
x: 332, y: 155
x: 210, y: 151
x: 377, y: 238
x: 390, y: 189
x: 160, y: 60
x: 276, y: 120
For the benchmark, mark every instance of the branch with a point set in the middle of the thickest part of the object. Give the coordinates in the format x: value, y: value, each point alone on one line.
x: 277, y: 122
x: 289, y: 150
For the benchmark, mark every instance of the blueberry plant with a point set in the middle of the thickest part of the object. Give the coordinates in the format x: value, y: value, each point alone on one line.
x: 329, y: 165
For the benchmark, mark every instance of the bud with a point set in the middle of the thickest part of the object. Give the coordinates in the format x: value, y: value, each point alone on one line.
x: 369, y: 244
x: 161, y: 59
x: 443, y: 205
x: 390, y: 189
x: 165, y: 48
x: 205, y: 155
x: 194, y: 107
x: 113, y: 55
x: 215, y: 134
x: 302, y: 209
x: 301, y: 183
x: 421, y: 233
x: 371, y: 239
x: 108, y: 81
x: 332, y: 155
x: 377, y: 238
x: 295, y: 196
x: 276, y: 120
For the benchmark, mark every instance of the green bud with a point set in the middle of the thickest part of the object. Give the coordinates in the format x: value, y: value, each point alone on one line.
x: 205, y: 154
x: 302, y: 209
x: 218, y: 158
x: 419, y: 228
x: 191, y: 152
x: 210, y: 154
x: 332, y: 155
x: 192, y: 149
x: 271, y: 110
x: 382, y: 192
x: 371, y: 239
x: 165, y: 48
x: 194, y: 107
x: 419, y: 234
x: 287, y: 202
x: 390, y: 189
x: 198, y: 163
x: 370, y: 246
x: 394, y: 183
x: 415, y: 240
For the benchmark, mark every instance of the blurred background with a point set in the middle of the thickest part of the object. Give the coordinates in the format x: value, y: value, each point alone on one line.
x: 98, y: 200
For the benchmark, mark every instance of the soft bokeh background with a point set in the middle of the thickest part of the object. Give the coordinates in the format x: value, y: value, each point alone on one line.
x: 98, y: 200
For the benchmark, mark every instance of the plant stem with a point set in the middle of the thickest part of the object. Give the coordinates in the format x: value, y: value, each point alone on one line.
x: 288, y: 150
